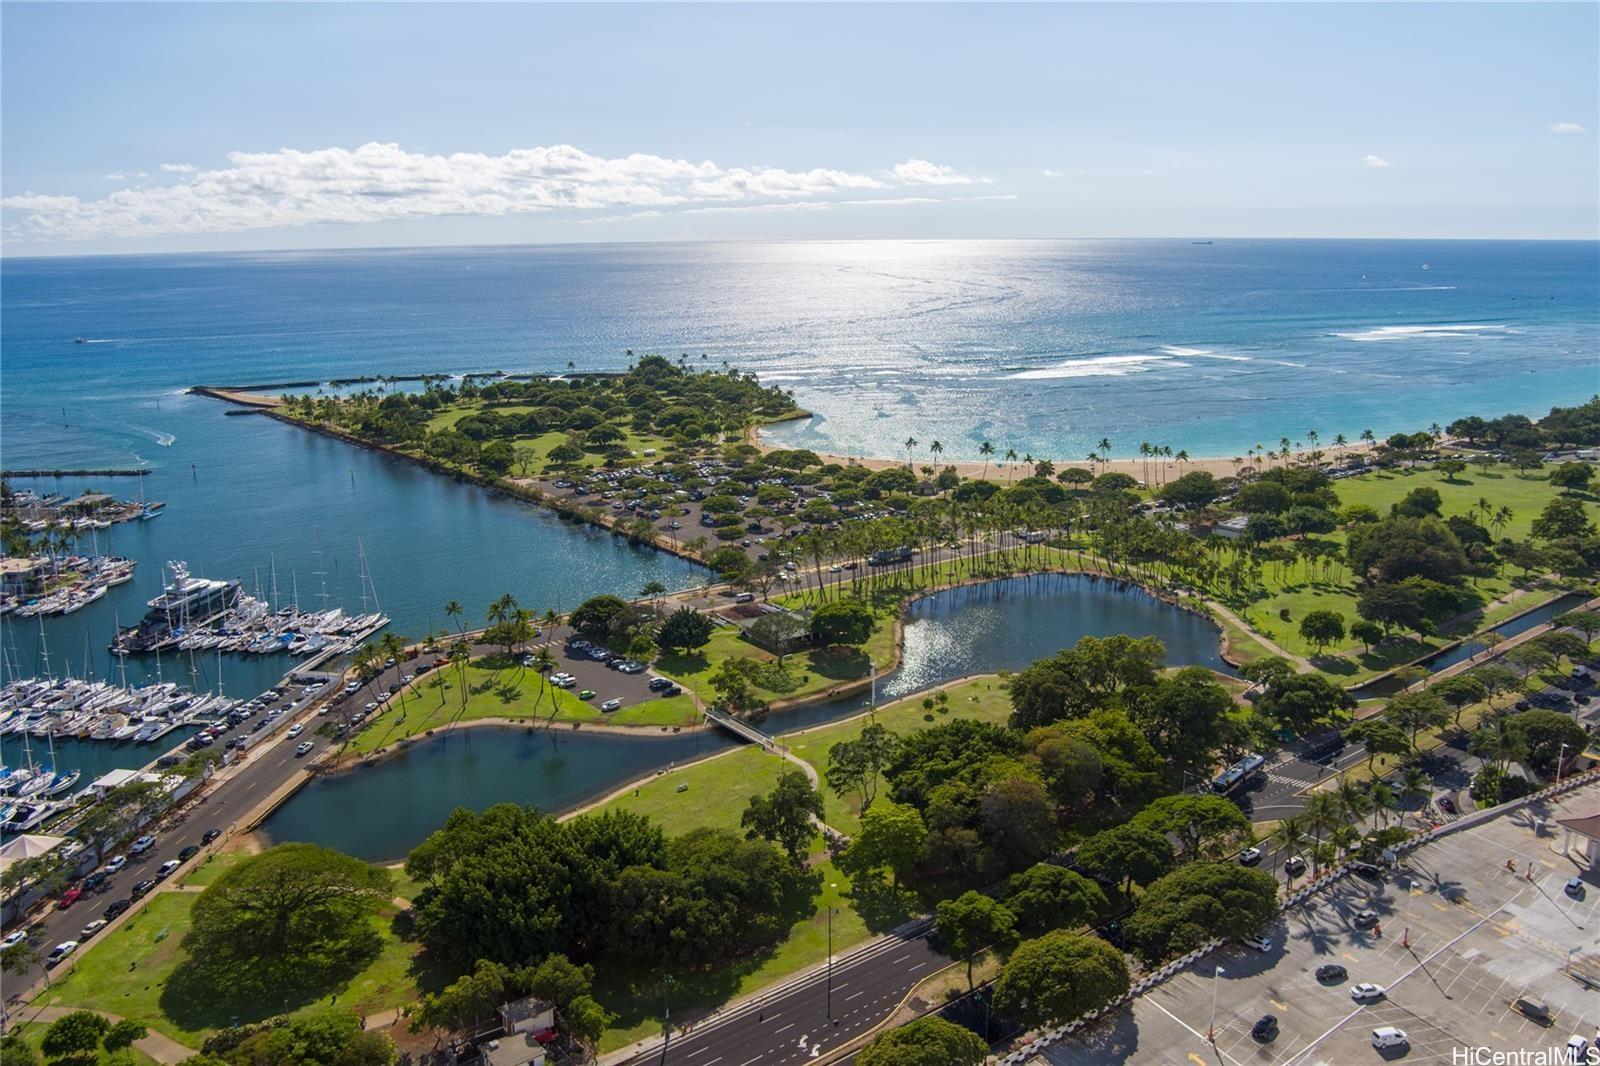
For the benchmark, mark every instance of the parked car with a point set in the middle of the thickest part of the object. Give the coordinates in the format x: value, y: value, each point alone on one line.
x: 1367, y: 869
x: 296, y: 729
x: 586, y: 694
x: 210, y: 835
x: 115, y: 863
x: 1331, y: 971
x: 92, y: 928
x: 166, y: 869
x: 1575, y: 887
x: 1366, y: 990
x: 116, y: 908
x: 1266, y: 1027
x: 1387, y: 1036
x: 611, y: 705
x: 1447, y: 805
x: 60, y: 952
x: 188, y: 853
x: 69, y: 897
x: 1295, y: 865
x: 658, y: 684
x: 1260, y: 943
x: 1250, y: 856
x: 14, y: 938
x: 95, y: 880
x: 143, y: 844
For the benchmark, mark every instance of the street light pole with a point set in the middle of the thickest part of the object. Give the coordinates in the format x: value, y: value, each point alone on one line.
x: 1561, y: 758
x: 1211, y: 1030
x: 666, y: 1017
x: 830, y: 962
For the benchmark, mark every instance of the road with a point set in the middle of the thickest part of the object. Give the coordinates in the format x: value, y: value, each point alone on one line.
x: 794, y: 1024
x: 268, y: 766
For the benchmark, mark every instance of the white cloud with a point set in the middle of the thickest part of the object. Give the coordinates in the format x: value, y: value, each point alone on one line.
x: 379, y: 182
x: 786, y: 206
x: 1374, y: 160
x: 1566, y: 127
x: 1055, y: 173
x: 922, y: 172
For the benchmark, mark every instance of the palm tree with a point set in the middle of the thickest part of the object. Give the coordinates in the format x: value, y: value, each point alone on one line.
x: 1325, y: 812
x: 986, y: 450
x: 911, y: 442
x: 1415, y: 784
x: 1384, y: 803
x: 454, y: 610
x: 1353, y: 799
x: 460, y: 656
x: 936, y: 449
x: 1291, y: 833
x: 1011, y: 458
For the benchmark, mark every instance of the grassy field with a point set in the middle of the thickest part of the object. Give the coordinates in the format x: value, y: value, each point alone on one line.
x: 517, y: 693
x: 129, y: 973
x: 1298, y: 595
x: 535, y: 451
x: 718, y: 789
x: 804, y: 673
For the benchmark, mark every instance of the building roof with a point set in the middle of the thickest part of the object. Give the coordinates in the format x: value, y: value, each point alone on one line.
x: 28, y: 846
x: 1589, y: 826
x: 17, y: 565
x: 116, y: 778
x: 520, y: 1011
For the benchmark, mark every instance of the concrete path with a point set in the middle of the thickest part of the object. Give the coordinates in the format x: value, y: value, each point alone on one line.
x: 158, y: 1046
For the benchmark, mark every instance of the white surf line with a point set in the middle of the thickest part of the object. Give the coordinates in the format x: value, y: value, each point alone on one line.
x: 1474, y: 927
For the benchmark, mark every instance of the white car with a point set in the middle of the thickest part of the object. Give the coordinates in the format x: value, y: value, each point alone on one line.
x: 60, y: 951
x: 1260, y: 943
x: 115, y: 863
x: 304, y: 747
x: 296, y: 729
x: 142, y: 845
x: 167, y: 869
x: 611, y: 705
x: 14, y: 938
x: 1366, y: 990
x: 1249, y: 856
x: 1388, y: 1036
x: 92, y: 928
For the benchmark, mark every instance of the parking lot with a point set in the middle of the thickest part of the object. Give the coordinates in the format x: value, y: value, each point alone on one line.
x: 1459, y: 939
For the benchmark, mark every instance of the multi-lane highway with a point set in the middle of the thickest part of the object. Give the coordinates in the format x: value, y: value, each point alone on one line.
x: 805, y: 1020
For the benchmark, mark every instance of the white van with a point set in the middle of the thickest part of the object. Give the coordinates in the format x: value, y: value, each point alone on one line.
x: 744, y: 597
x: 1388, y: 1036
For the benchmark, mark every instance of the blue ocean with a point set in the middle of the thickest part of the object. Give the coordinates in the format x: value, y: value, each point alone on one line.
x: 1044, y: 347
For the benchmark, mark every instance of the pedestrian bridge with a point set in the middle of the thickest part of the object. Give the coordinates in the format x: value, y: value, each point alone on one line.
x: 741, y: 729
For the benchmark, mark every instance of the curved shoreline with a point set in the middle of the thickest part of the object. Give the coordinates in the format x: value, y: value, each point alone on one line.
x: 350, y: 764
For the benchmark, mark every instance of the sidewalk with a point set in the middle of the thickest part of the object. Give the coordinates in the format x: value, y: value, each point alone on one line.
x: 158, y: 1046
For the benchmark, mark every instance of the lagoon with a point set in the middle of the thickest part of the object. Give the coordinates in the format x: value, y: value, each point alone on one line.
x: 381, y: 812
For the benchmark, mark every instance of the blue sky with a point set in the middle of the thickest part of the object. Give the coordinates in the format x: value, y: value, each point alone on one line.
x: 153, y: 128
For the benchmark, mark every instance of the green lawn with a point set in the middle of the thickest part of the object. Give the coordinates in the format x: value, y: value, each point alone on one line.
x: 718, y: 789
x: 512, y: 692
x: 211, y: 867
x: 127, y: 973
x: 1298, y: 594
x: 803, y: 673
x: 535, y: 451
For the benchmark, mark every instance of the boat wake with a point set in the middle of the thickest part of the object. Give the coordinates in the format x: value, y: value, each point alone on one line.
x: 166, y: 440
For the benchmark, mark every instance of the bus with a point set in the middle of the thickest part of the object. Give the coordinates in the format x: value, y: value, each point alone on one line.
x: 1240, y: 774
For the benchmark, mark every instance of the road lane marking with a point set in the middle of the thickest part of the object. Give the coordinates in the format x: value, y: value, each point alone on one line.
x: 786, y: 1028
x: 853, y: 995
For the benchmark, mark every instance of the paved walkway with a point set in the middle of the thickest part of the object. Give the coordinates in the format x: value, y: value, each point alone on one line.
x: 158, y: 1046
x: 1301, y: 663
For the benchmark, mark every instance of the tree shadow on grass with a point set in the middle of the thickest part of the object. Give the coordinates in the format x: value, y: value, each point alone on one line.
x: 841, y: 663
x: 675, y: 664
x: 883, y: 906
x: 199, y: 996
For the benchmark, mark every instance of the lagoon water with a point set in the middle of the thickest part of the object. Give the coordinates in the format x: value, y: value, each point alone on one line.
x: 1044, y: 347
x: 385, y: 810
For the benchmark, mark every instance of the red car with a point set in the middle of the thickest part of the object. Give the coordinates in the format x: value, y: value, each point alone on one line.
x: 69, y: 897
